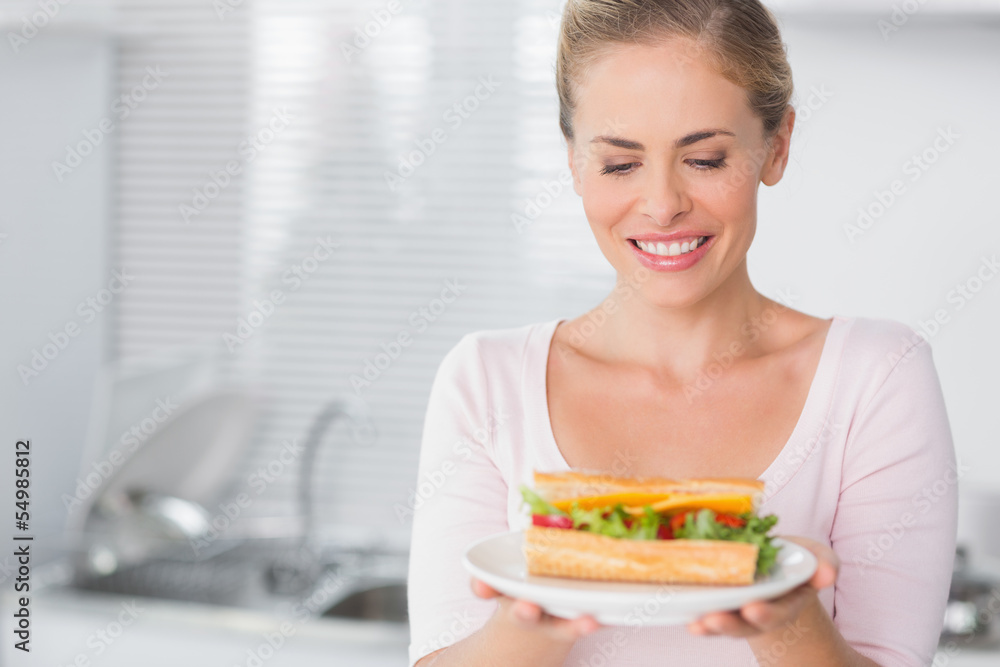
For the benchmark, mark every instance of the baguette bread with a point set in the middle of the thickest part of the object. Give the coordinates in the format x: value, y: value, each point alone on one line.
x: 578, y: 554
x: 557, y: 552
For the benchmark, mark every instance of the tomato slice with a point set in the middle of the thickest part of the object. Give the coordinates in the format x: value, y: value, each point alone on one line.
x: 664, y: 532
x: 730, y: 520
x: 551, y: 520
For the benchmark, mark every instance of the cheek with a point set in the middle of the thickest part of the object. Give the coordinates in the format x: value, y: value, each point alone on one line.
x: 733, y: 200
x: 605, y: 202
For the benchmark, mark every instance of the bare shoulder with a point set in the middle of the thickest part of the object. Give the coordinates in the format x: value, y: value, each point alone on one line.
x: 792, y: 332
x: 571, y: 337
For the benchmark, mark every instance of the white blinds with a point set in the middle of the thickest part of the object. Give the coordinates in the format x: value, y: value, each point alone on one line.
x: 188, y: 274
x: 355, y: 262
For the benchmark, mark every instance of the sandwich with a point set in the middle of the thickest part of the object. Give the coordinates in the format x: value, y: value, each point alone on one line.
x: 651, y: 530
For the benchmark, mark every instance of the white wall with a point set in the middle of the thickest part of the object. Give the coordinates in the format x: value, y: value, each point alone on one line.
x: 53, y: 255
x: 889, y: 99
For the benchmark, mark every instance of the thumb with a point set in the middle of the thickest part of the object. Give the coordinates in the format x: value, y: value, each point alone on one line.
x: 828, y: 566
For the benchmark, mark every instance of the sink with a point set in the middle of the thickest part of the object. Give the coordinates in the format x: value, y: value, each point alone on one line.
x: 238, y: 577
x: 353, y: 584
x: 385, y: 602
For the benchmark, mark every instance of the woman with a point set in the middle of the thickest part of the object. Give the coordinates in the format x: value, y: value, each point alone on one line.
x: 674, y: 112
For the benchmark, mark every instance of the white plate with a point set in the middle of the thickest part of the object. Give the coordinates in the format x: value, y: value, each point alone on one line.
x: 498, y: 561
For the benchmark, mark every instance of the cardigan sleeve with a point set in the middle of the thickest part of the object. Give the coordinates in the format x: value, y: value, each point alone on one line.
x: 460, y: 497
x: 895, y: 525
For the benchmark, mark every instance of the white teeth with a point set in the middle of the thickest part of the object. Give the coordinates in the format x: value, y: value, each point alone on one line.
x: 672, y: 250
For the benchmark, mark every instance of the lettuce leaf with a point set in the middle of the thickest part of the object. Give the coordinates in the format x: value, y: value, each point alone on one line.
x: 703, y: 526
x: 538, y: 504
x: 613, y: 525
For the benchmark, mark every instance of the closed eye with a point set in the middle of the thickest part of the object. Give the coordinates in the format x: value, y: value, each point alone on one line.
x: 708, y: 165
x: 618, y: 169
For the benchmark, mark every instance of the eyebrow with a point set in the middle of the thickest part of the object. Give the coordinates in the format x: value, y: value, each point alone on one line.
x: 686, y: 140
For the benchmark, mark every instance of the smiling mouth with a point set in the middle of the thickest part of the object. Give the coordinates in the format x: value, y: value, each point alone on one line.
x: 670, y: 249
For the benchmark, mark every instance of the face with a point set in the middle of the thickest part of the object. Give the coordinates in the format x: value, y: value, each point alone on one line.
x: 668, y: 151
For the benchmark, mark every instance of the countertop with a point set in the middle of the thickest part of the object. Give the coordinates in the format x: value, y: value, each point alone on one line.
x: 73, y: 628
x: 87, y: 629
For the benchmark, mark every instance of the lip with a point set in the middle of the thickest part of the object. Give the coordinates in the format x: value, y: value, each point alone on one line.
x: 676, y: 263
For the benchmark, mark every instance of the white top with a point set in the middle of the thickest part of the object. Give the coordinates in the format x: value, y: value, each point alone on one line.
x: 869, y: 469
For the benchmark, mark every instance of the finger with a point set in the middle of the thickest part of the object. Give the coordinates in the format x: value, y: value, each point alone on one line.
x: 825, y: 575
x: 573, y: 628
x: 530, y: 615
x: 482, y: 590
x: 726, y: 623
x: 697, y: 628
x: 764, y: 616
x: 526, y: 612
x: 585, y: 625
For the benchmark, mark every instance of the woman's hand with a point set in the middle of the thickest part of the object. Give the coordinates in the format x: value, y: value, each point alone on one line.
x: 529, y: 616
x: 764, y: 616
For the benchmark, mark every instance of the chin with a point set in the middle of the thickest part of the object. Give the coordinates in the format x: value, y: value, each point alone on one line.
x: 677, y: 303
x: 673, y: 296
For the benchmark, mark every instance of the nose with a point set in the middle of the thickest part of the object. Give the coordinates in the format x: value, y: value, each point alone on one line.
x: 664, y: 197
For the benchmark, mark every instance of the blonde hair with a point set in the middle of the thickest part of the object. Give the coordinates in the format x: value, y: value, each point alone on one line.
x: 740, y: 37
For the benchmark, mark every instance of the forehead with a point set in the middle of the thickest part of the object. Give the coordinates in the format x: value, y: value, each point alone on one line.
x: 657, y: 93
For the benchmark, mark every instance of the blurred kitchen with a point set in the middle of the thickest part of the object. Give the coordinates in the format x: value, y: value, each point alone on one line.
x: 238, y: 236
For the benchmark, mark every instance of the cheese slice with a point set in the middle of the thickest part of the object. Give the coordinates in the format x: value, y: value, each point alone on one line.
x: 612, y: 499
x: 667, y: 503
x: 723, y: 503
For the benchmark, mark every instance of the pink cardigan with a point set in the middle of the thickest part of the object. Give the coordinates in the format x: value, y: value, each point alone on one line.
x: 869, y: 469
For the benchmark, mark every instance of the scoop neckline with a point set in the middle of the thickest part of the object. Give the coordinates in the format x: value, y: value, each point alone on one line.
x: 813, y: 404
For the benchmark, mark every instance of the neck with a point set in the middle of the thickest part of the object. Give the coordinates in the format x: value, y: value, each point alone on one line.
x: 681, y: 342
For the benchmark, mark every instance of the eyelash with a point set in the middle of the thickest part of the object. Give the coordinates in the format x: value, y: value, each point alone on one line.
x: 622, y: 170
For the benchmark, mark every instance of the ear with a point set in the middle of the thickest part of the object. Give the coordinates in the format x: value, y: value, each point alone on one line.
x: 774, y: 165
x: 577, y: 182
